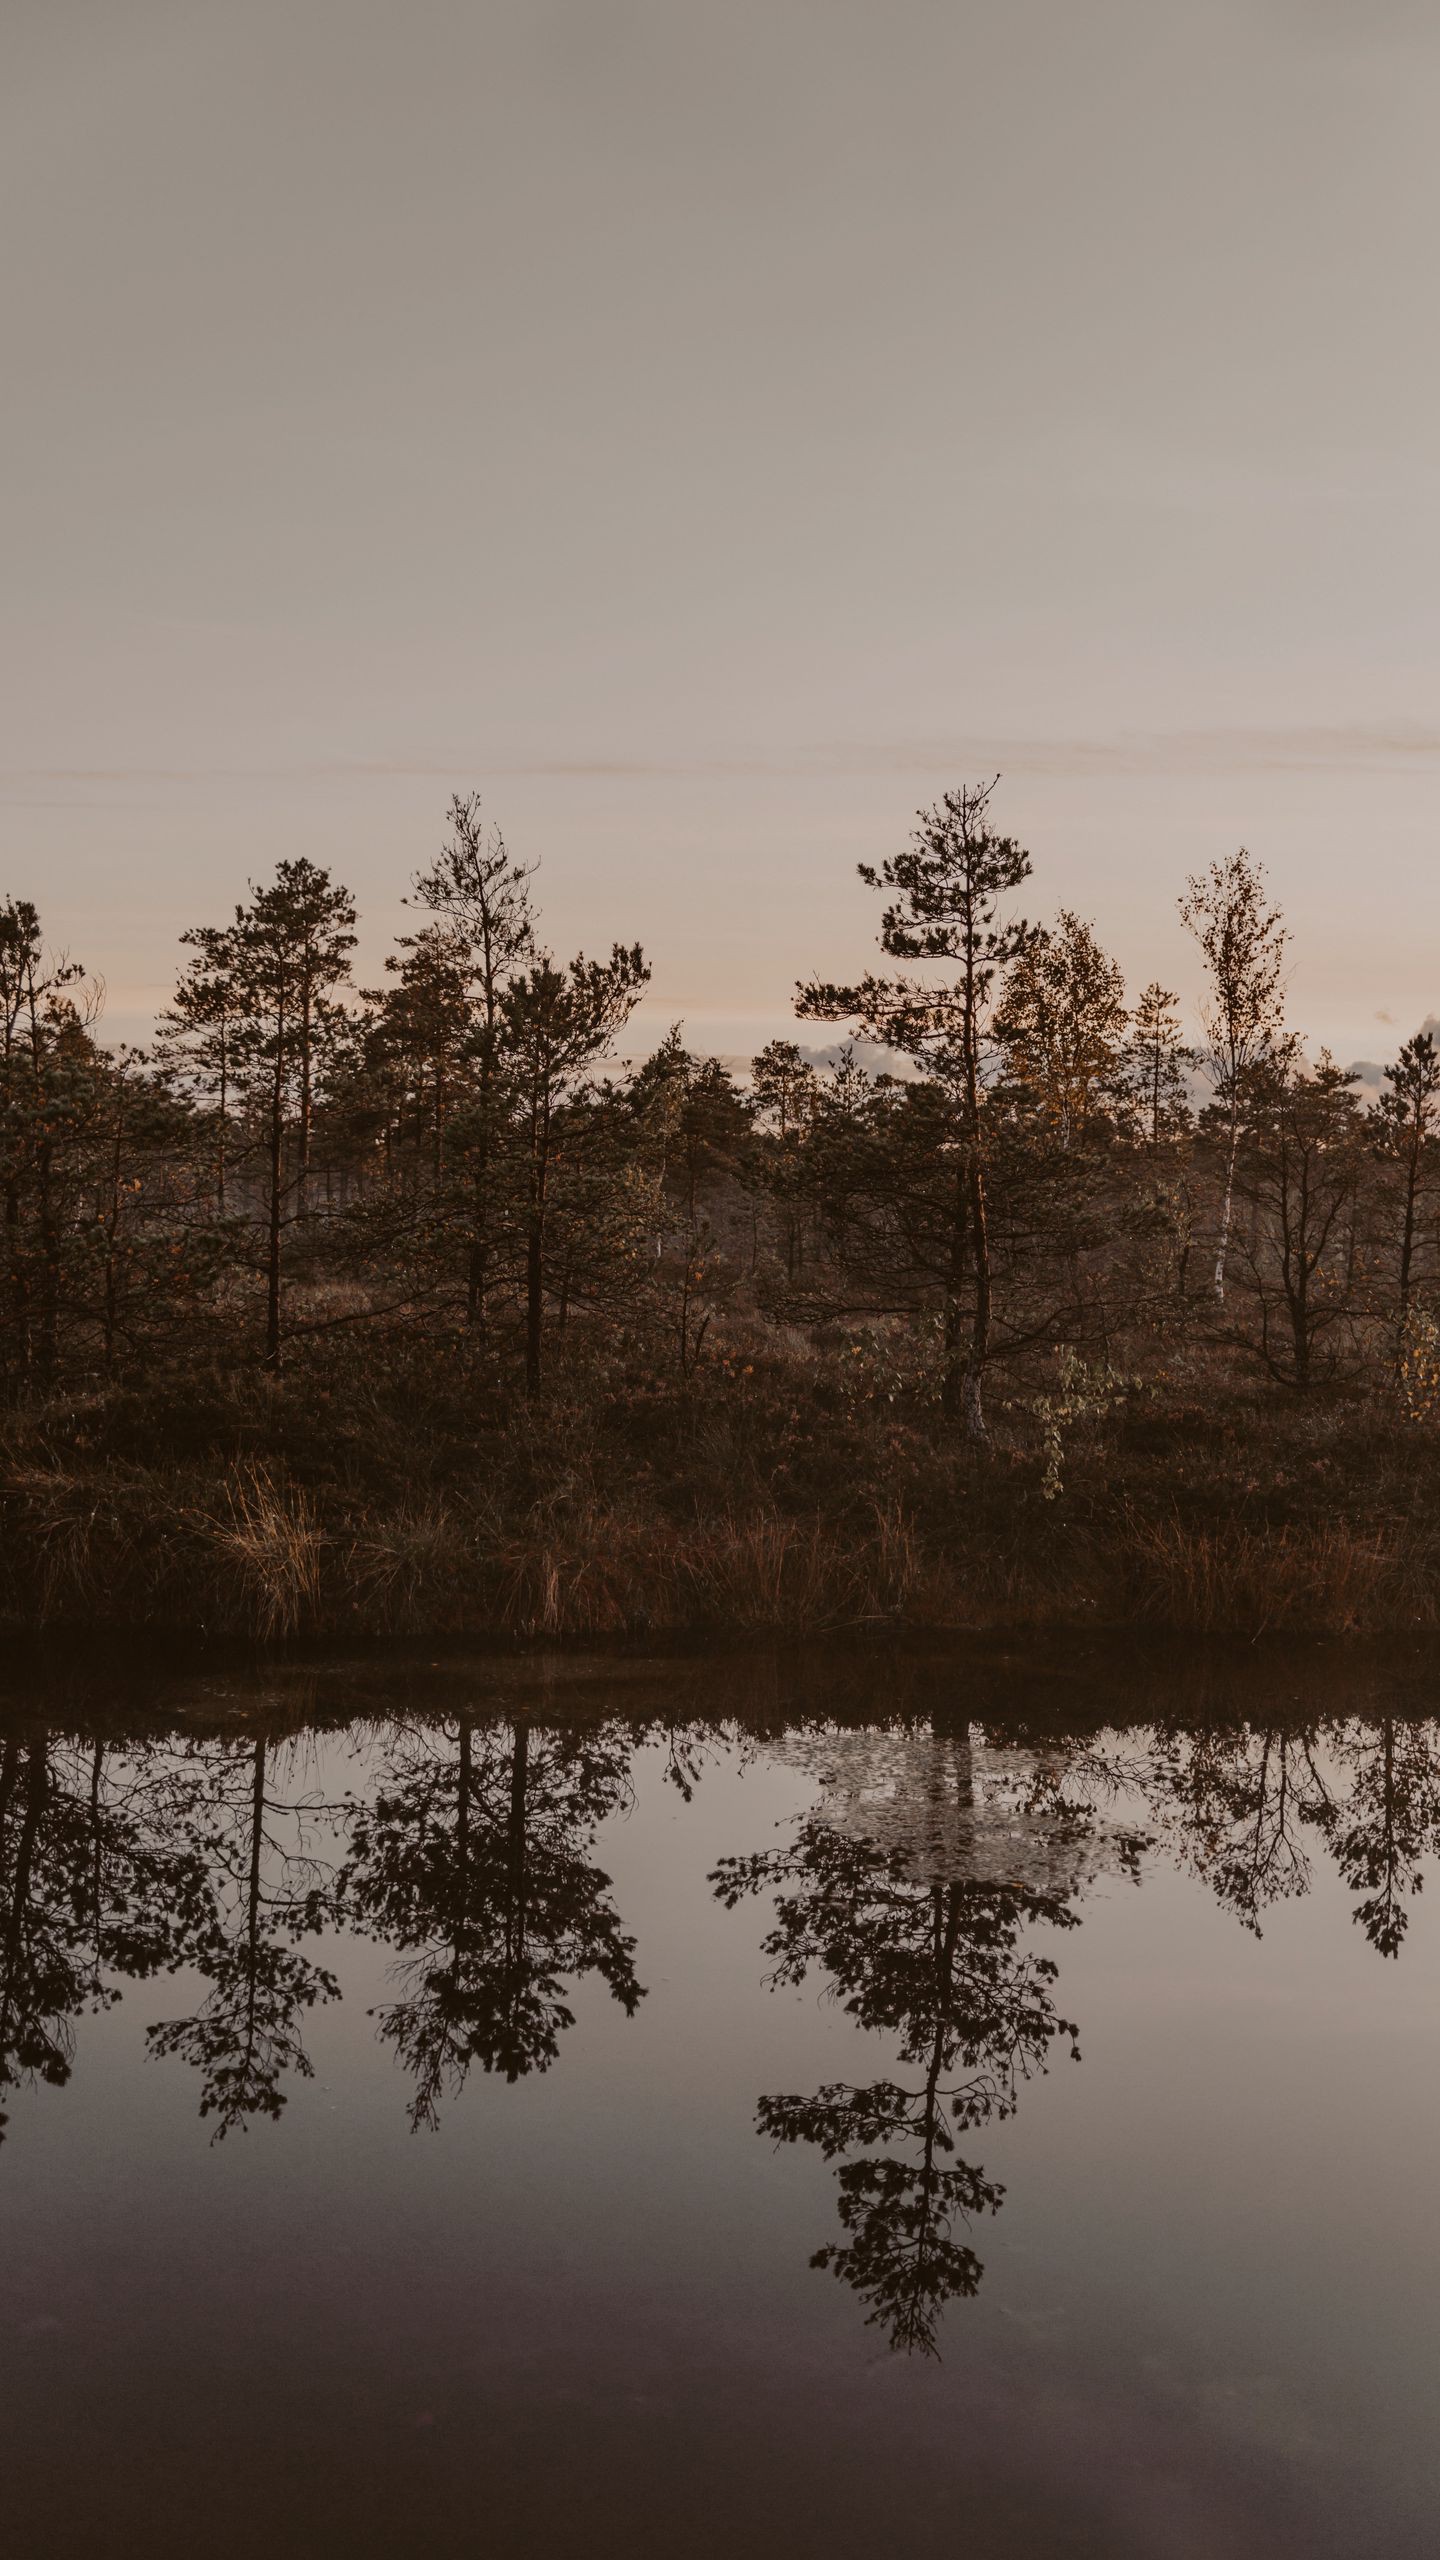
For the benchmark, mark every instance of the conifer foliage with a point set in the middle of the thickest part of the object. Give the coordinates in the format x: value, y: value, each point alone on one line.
x: 1002, y: 1163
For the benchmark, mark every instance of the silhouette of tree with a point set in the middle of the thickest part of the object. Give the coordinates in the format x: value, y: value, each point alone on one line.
x: 473, y: 1861
x: 256, y: 1015
x: 1405, y: 1127
x: 1155, y: 1066
x: 1234, y: 1805
x: 267, y: 1893
x: 1243, y: 1807
x: 1299, y: 1172
x: 98, y: 1879
x: 557, y: 1024
x: 199, y: 1034
x: 480, y: 897
x: 1242, y: 940
x: 945, y: 892
x: 1388, y: 1822
x: 940, y: 1968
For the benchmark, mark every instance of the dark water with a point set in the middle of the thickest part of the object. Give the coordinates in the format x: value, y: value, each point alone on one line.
x: 850, y: 2108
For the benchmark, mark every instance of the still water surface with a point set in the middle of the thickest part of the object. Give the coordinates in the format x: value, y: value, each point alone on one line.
x: 668, y: 2110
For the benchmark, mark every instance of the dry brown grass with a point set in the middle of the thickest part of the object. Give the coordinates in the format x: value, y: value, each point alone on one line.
x: 737, y: 1509
x: 268, y: 1536
x: 413, y: 1571
x: 1316, y: 1578
x: 77, y: 1530
x: 255, y: 1555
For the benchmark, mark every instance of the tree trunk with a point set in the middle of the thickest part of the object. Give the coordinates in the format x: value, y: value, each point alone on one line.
x: 534, y: 1299
x: 972, y: 1407
x: 49, y: 1332
x: 220, y: 1134
x: 1407, y: 1254
x: 972, y: 1398
x: 35, y: 1794
x: 952, y: 1391
x: 277, y: 1169
x: 302, y: 1147
x: 535, y: 1244
x: 515, y: 1850
x: 478, y: 1275
x: 252, y: 1904
x: 462, y: 1808
x: 1222, y: 1249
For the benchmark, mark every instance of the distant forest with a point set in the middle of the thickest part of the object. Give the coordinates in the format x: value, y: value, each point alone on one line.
x: 1063, y: 1219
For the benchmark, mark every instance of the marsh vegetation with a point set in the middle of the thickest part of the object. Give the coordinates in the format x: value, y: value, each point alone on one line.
x: 425, y: 1307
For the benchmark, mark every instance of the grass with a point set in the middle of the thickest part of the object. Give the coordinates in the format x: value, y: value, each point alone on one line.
x: 415, y: 1500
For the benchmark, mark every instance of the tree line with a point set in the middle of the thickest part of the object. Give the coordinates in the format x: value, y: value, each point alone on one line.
x: 1001, y: 1158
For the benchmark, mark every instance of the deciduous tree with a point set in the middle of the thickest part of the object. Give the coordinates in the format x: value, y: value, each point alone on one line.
x: 1242, y: 939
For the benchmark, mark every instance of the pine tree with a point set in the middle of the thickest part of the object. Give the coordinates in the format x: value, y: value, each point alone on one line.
x: 1155, y: 1064
x: 557, y: 1024
x: 1406, y: 1123
x: 480, y: 897
x: 945, y: 905
x: 282, y: 962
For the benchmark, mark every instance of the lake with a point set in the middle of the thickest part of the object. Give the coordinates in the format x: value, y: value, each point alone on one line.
x: 830, y: 2105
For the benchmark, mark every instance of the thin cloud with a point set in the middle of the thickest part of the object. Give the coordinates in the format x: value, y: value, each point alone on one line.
x: 1343, y: 747
x: 1351, y: 747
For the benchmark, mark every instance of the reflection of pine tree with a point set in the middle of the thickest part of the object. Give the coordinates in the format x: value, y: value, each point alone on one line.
x: 44, y: 1971
x: 938, y: 1967
x: 473, y: 1862
x: 98, y: 1879
x: 265, y: 1891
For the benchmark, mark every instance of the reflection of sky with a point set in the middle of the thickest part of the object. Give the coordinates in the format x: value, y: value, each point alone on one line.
x: 949, y: 1806
x: 582, y: 2310
x: 711, y: 434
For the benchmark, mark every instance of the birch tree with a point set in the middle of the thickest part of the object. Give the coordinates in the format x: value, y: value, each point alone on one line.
x: 1242, y: 940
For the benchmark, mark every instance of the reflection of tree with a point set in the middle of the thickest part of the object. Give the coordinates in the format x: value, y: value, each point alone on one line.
x: 44, y: 1972
x: 474, y: 1857
x: 940, y: 1968
x: 473, y: 1861
x: 1245, y: 1806
x: 1239, y: 1803
x: 266, y: 1892
x: 1387, y: 1822
x: 97, y: 1880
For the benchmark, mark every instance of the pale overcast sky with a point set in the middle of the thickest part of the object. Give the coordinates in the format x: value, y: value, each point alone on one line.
x: 710, y: 427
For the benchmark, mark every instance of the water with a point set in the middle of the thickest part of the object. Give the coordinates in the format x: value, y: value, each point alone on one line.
x: 582, y: 2110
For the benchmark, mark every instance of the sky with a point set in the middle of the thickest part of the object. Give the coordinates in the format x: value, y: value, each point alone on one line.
x: 710, y: 428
